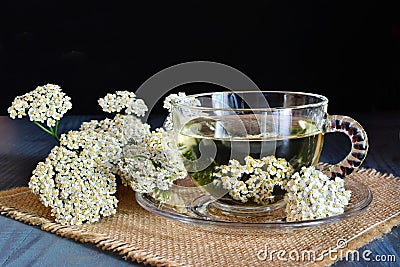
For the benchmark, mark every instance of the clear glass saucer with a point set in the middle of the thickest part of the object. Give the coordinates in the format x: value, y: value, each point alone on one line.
x: 203, y: 215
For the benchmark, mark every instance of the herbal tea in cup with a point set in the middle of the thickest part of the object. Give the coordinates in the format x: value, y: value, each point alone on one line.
x: 241, y: 147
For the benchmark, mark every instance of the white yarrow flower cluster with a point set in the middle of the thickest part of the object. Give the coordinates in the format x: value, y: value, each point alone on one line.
x: 153, y: 164
x: 123, y: 101
x: 76, y: 180
x: 125, y: 128
x: 263, y: 175
x: 46, y: 104
x: 178, y: 99
x: 313, y: 195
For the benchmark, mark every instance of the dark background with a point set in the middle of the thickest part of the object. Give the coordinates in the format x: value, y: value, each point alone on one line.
x: 348, y: 51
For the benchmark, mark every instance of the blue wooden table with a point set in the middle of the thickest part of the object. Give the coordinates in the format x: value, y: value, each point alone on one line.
x: 23, y: 145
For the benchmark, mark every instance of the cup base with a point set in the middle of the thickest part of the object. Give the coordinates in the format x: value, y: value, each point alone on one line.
x: 210, y: 208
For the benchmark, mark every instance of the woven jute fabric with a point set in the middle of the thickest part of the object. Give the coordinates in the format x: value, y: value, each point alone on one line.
x: 139, y: 235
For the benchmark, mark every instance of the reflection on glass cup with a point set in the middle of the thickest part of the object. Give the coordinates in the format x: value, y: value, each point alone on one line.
x: 229, y: 138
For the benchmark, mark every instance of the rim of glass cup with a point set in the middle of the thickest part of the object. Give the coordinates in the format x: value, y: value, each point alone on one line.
x: 323, y: 101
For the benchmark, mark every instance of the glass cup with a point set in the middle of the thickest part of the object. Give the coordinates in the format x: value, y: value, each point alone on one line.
x: 230, y: 140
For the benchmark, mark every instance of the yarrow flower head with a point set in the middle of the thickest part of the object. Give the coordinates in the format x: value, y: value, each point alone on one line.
x: 76, y: 180
x: 154, y: 164
x: 150, y: 161
x: 262, y: 175
x: 46, y: 105
x: 123, y: 100
x: 178, y: 99
x: 125, y: 128
x: 313, y: 195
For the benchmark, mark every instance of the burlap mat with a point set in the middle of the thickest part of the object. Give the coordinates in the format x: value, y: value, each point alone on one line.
x: 139, y: 235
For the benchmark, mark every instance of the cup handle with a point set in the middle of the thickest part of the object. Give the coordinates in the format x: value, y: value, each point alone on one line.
x: 359, y: 143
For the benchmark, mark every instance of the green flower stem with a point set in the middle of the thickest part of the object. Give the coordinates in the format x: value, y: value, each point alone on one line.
x: 56, y: 131
x: 43, y: 128
x: 49, y: 131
